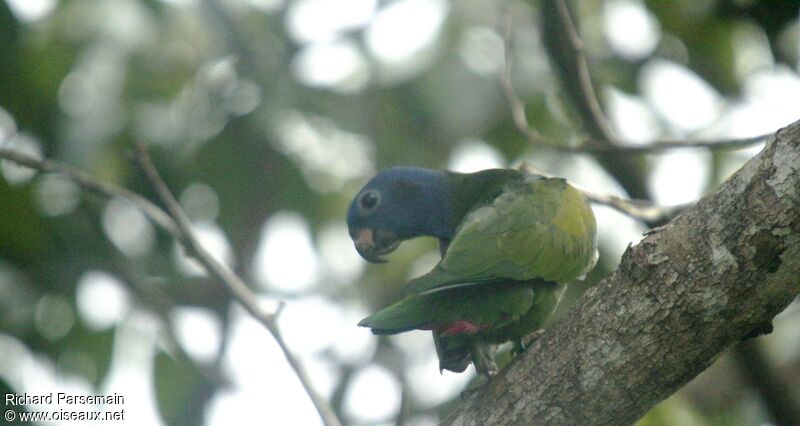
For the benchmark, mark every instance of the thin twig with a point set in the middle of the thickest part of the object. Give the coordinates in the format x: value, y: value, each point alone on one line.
x: 584, y: 77
x: 520, y: 118
x: 668, y: 144
x: 516, y: 104
x: 645, y: 211
x: 110, y: 190
x: 235, y: 285
x: 177, y: 224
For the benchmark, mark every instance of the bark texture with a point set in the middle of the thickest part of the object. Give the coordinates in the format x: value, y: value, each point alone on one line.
x: 682, y: 296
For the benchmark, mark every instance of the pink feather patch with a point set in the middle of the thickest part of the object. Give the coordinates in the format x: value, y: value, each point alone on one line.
x: 462, y: 327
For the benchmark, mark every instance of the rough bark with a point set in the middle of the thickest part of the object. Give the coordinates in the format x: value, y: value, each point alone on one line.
x: 683, y: 295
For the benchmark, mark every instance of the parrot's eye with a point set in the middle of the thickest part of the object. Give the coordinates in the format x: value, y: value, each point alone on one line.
x: 369, y: 201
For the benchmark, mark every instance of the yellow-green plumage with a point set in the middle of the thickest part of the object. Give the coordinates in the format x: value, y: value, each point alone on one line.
x: 538, y: 228
x: 520, y: 237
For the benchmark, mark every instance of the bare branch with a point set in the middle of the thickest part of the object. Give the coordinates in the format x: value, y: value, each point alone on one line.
x: 110, y: 190
x: 517, y: 107
x: 662, y: 145
x: 643, y: 210
x: 235, y: 285
x: 581, y: 65
x: 178, y: 225
x: 514, y: 101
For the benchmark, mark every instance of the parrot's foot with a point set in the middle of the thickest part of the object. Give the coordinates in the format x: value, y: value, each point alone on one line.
x: 522, y: 344
x: 519, y: 347
x: 483, y: 359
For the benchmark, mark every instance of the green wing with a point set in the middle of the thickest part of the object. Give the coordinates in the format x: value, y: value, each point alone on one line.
x: 484, y: 308
x: 536, y: 228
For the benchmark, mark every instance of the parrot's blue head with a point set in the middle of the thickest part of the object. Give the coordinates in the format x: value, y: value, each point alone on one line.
x: 398, y: 204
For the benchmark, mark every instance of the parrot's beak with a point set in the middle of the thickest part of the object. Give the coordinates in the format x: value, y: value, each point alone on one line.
x: 372, y: 244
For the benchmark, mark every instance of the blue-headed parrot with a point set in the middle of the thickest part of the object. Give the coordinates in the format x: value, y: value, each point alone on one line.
x: 509, y: 242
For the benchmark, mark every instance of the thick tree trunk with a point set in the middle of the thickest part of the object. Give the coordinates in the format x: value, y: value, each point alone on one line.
x: 683, y: 295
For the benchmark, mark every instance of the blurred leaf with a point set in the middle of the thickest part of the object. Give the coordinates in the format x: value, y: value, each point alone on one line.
x: 95, y: 346
x: 22, y: 230
x: 707, y: 37
x: 181, y: 392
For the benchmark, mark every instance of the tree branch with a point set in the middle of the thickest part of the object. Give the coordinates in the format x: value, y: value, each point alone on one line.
x: 178, y: 225
x: 589, y: 144
x: 662, y: 145
x: 680, y: 297
x: 580, y: 77
x: 110, y: 190
x: 643, y: 210
x: 231, y: 281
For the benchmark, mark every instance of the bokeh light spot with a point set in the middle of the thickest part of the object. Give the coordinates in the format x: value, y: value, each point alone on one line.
x: 54, y: 316
x: 286, y: 259
x: 57, y: 195
x: 402, y: 31
x: 482, y: 51
x: 631, y: 30
x: 102, y: 300
x: 473, y: 155
x: 374, y: 395
x: 127, y: 227
x: 337, y: 65
x: 199, y: 331
x: 200, y: 202
x: 682, y: 97
x: 321, y: 20
x: 31, y: 10
x: 679, y: 176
